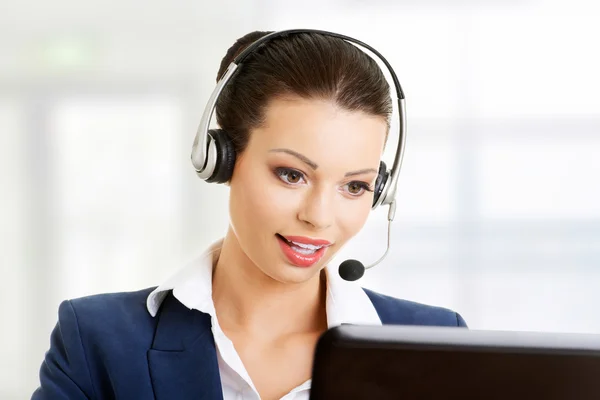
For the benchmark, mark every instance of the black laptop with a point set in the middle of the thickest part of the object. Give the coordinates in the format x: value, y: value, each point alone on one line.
x: 401, y: 362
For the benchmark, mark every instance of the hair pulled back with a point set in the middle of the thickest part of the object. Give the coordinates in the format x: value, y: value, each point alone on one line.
x: 308, y: 65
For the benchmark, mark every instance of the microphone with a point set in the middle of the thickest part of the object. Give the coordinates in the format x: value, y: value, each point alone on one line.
x: 352, y: 270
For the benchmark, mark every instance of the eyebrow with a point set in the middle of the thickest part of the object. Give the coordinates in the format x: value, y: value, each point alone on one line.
x: 299, y: 156
x: 361, y: 171
x: 314, y: 165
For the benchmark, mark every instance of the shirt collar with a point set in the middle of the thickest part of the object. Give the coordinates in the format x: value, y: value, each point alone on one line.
x: 347, y: 302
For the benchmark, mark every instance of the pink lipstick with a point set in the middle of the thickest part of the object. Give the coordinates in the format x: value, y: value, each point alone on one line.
x: 302, y: 251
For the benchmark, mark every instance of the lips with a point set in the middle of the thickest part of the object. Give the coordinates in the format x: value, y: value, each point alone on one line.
x: 302, y: 251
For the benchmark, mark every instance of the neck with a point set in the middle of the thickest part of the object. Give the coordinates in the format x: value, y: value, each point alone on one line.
x: 246, y: 299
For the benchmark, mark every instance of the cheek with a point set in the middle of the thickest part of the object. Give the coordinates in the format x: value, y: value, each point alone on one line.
x: 352, y: 216
x: 258, y: 202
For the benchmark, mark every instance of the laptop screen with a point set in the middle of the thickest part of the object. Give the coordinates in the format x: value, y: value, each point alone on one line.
x: 392, y: 362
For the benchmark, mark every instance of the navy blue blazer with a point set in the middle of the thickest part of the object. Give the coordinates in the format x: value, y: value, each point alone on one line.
x: 109, y: 346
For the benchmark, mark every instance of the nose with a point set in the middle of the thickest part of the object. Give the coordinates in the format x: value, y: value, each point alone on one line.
x: 317, y: 209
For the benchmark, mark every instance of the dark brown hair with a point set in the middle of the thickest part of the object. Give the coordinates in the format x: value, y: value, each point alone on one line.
x: 307, y: 65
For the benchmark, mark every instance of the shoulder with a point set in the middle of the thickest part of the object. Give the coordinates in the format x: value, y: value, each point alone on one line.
x: 99, y: 341
x: 403, y: 312
x: 111, y: 316
x: 122, y: 302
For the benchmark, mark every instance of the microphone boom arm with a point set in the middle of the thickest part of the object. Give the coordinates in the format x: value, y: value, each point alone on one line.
x: 391, y: 215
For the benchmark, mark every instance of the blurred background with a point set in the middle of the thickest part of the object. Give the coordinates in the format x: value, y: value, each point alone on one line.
x: 499, y: 196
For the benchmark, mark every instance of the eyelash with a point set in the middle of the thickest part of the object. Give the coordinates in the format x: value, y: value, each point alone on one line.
x: 282, y: 171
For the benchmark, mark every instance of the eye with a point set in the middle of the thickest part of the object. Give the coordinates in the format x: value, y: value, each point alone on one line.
x: 357, y: 188
x: 289, y: 176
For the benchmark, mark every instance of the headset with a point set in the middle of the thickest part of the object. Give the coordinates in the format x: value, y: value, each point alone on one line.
x: 213, y: 153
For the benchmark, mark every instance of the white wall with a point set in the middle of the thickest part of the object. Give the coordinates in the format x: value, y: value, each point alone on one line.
x: 499, y: 206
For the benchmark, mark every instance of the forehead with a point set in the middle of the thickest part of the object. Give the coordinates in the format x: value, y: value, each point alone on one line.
x: 322, y: 130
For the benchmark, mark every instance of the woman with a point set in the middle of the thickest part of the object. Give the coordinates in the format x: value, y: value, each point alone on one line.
x: 307, y: 118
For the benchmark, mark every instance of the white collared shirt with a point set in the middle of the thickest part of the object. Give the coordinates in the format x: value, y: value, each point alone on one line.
x: 346, y: 303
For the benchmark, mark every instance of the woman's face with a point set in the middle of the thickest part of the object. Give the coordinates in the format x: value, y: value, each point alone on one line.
x: 303, y: 186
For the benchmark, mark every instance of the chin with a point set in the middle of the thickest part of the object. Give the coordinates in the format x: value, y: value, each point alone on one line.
x: 286, y: 273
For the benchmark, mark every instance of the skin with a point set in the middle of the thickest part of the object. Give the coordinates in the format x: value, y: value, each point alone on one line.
x: 273, y: 311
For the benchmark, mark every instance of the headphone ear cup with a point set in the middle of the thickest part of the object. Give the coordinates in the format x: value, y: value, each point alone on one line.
x: 225, y: 156
x: 382, y: 178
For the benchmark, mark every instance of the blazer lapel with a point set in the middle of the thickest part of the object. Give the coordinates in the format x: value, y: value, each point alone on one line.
x: 183, y: 359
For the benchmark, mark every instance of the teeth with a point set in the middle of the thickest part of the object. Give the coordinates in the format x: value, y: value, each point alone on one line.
x: 303, y: 251
x: 307, y: 246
